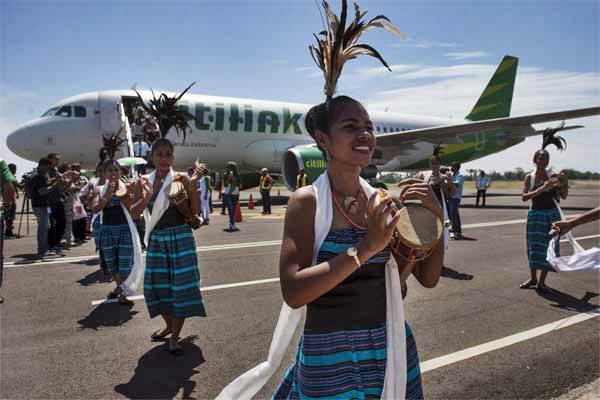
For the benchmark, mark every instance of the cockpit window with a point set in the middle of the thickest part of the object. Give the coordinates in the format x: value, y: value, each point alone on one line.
x: 49, y: 112
x: 80, y: 111
x: 64, y: 111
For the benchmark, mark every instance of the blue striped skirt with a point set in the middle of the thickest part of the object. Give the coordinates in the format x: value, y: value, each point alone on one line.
x: 539, y: 223
x: 116, y: 249
x: 346, y: 365
x: 172, y: 276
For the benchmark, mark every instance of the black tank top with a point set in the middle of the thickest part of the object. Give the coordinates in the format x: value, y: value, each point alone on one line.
x: 112, y: 213
x: 358, y: 302
x: 544, y: 201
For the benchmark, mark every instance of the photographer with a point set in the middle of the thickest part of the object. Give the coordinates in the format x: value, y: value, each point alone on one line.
x: 39, y: 191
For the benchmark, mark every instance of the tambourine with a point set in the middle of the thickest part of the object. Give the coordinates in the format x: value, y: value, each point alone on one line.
x: 416, y: 234
x: 176, y: 191
x: 178, y: 196
x: 121, y: 189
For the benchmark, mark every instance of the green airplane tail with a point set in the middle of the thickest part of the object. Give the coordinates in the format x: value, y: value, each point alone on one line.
x: 496, y: 99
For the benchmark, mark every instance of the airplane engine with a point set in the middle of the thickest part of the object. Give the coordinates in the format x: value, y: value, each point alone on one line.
x: 311, y: 159
x: 308, y: 157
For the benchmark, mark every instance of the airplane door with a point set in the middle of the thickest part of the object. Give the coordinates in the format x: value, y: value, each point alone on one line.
x: 109, y: 116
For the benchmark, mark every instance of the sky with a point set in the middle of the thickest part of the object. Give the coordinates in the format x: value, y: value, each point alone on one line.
x: 50, y: 50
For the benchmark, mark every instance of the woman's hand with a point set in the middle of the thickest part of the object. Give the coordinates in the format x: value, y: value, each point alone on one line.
x: 112, y: 188
x: 562, y: 227
x: 147, y: 189
x: 379, y: 231
x: 199, y: 170
x: 409, y: 181
x: 425, y: 194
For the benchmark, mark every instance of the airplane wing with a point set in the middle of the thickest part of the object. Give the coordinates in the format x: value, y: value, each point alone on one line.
x: 517, y: 126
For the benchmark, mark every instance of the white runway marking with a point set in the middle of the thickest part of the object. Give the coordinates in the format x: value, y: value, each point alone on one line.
x: 448, y: 359
x: 204, y: 289
x: 259, y: 281
x: 235, y: 246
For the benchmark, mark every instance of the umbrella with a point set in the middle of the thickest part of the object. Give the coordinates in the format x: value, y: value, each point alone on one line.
x: 131, y: 161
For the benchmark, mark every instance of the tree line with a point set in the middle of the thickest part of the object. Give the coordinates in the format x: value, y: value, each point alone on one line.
x: 517, y: 174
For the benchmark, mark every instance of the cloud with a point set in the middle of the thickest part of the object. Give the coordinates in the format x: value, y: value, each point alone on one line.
x: 451, y: 92
x: 424, y: 44
x: 459, y: 56
x: 304, y: 69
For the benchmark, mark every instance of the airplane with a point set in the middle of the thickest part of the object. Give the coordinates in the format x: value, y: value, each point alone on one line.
x: 268, y: 134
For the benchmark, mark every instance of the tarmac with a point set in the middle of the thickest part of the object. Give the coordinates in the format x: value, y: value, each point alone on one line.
x: 478, y: 335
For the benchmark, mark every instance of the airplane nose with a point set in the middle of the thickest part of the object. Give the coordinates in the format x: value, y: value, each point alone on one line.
x: 20, y: 142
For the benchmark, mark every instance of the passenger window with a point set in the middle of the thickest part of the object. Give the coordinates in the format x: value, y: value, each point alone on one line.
x: 385, y: 129
x: 64, y: 111
x: 80, y: 112
x: 378, y: 128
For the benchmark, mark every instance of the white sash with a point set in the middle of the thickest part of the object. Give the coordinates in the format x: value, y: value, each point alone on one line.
x: 138, y: 261
x: 151, y: 219
x: 247, y: 385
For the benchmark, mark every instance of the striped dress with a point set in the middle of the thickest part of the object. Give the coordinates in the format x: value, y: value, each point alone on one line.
x: 345, y: 357
x: 114, y: 241
x: 172, y: 276
x: 540, y: 217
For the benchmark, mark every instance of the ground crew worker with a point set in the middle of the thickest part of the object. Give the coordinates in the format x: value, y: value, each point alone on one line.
x: 301, y: 179
x: 204, y: 186
x: 7, y: 189
x: 265, y: 185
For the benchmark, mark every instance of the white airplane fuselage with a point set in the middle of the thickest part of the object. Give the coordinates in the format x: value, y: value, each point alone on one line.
x: 254, y: 133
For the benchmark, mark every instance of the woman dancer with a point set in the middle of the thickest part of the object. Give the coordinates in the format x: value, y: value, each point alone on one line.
x: 545, y: 192
x: 114, y: 238
x: 335, y: 258
x: 171, y: 277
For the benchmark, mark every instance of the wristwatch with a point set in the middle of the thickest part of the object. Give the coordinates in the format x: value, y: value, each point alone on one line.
x: 353, y: 252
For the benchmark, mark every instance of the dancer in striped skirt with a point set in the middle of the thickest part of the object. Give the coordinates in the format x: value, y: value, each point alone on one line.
x: 544, y: 191
x: 171, y: 277
x: 335, y: 260
x: 114, y: 237
x: 343, y: 351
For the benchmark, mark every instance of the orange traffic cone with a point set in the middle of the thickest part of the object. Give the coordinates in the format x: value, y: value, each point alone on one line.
x: 250, y: 203
x: 238, y: 212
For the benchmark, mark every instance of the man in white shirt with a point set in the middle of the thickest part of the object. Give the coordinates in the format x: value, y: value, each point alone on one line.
x: 140, y: 149
x: 482, y: 182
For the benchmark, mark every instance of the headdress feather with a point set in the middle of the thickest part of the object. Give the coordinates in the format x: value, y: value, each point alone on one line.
x: 111, y: 144
x: 338, y: 43
x: 168, y: 113
x: 437, y: 150
x: 549, y: 138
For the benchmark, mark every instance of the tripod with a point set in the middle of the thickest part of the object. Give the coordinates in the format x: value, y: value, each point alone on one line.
x: 25, y: 209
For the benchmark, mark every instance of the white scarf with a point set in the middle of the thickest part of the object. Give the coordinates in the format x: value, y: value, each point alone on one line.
x: 151, y: 219
x: 138, y: 261
x: 247, y: 385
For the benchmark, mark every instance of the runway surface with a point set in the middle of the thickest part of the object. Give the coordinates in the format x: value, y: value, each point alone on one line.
x: 478, y: 334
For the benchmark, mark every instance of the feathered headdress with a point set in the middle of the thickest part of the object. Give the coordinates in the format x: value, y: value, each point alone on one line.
x: 550, y: 138
x: 338, y: 43
x: 437, y: 150
x: 111, y: 144
x: 167, y: 112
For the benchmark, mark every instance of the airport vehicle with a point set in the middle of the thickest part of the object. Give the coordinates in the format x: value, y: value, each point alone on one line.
x: 259, y: 134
